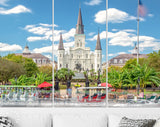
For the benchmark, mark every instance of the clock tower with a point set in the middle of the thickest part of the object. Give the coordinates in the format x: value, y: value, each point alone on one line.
x: 79, y: 36
x: 80, y: 58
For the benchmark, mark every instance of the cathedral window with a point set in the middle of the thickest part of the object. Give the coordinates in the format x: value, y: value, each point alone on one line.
x: 86, y: 55
x: 92, y: 66
x: 60, y: 65
x: 121, y: 61
x: 77, y: 44
x: 66, y: 65
x: 72, y: 55
x: 39, y: 61
x: 97, y: 65
x: 98, y: 55
x: 34, y: 60
x: 81, y: 44
x: 115, y: 61
x: 60, y: 55
x: 44, y: 61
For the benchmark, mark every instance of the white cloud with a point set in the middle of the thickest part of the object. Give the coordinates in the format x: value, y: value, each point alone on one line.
x: 93, y: 2
x: 102, y: 36
x: 114, y: 30
x: 150, y: 15
x: 91, y: 33
x: 129, y: 30
x: 114, y: 16
x: 34, y: 38
x: 3, y: 2
x: 49, y: 56
x: 119, y: 53
x: 115, y: 54
x: 48, y: 49
x: 128, y: 37
x: 44, y: 32
x: 16, y: 10
x: 39, y: 30
x: 100, y: 17
x: 111, y: 54
x: 6, y: 47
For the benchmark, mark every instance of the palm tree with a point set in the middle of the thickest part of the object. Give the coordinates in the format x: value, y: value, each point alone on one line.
x: 63, y: 74
x: 147, y: 75
x: 116, y: 78
x: 40, y: 78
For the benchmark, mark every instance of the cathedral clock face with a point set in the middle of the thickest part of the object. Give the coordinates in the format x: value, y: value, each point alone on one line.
x: 79, y: 40
x: 79, y: 51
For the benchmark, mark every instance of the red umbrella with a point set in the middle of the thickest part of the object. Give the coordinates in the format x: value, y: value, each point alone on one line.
x: 104, y: 84
x: 44, y: 84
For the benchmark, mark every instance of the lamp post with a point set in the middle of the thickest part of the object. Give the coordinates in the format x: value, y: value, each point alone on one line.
x: 87, y: 81
x: 69, y: 84
x: 138, y: 86
x: 15, y: 78
x: 56, y: 81
x: 98, y: 79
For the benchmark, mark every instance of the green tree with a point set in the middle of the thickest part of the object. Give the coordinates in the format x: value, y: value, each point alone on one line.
x: 28, y: 64
x: 46, y: 70
x: 23, y: 80
x: 154, y: 60
x: 40, y: 78
x: 116, y: 78
x: 63, y: 74
x: 9, y: 69
x: 129, y: 63
x: 147, y: 75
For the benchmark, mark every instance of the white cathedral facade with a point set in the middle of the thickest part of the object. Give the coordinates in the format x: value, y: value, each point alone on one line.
x: 80, y: 58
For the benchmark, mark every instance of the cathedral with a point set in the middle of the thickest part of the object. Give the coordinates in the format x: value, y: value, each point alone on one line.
x: 80, y: 58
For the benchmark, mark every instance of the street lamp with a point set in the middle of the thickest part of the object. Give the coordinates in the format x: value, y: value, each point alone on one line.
x: 87, y: 81
x: 98, y: 79
x: 69, y: 84
x: 138, y: 86
x: 56, y: 81
x: 15, y: 78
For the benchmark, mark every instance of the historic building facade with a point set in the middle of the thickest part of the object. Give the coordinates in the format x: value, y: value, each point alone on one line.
x: 121, y: 59
x: 38, y: 58
x: 80, y: 58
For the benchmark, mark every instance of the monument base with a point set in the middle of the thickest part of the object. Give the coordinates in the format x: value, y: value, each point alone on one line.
x: 79, y: 75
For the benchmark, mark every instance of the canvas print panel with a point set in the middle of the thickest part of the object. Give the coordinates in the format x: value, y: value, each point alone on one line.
x: 80, y: 42
x: 133, y: 70
x: 25, y: 64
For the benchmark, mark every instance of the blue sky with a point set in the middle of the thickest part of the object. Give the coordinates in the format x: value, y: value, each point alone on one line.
x: 30, y: 21
x: 123, y: 27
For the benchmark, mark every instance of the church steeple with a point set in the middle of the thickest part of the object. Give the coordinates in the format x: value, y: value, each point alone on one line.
x: 98, y: 44
x: 61, y: 47
x: 79, y: 26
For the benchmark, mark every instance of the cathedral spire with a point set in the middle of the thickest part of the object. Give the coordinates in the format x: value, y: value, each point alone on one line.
x: 79, y: 26
x: 98, y: 44
x: 61, y: 47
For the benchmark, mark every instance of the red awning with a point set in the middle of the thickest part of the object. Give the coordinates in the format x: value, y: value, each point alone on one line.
x: 104, y: 85
x: 44, y: 84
